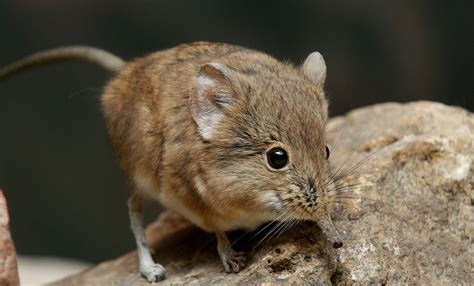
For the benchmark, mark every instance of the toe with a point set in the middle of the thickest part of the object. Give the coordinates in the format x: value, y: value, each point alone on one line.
x: 234, y: 262
x: 227, y: 267
x: 235, y: 266
x: 153, y: 273
x: 241, y: 259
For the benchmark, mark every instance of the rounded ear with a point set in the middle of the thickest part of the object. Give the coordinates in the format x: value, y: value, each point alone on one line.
x: 314, y: 68
x: 211, y: 94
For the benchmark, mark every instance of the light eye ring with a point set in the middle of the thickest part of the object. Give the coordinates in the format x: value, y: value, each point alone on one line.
x: 277, y: 159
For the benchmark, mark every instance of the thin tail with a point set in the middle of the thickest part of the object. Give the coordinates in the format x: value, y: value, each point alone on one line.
x: 92, y: 55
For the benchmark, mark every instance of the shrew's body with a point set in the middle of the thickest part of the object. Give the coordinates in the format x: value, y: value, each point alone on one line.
x: 228, y: 137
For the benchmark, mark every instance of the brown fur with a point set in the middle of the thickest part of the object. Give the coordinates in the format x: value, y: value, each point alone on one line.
x: 147, y: 109
x: 192, y: 126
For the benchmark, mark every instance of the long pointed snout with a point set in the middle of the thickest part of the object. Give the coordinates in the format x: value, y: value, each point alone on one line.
x: 326, y: 225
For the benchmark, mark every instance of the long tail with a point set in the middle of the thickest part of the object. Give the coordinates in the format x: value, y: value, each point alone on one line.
x: 92, y: 55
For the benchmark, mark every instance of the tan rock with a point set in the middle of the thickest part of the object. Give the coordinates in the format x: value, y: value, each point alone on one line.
x: 405, y: 213
x: 8, y: 265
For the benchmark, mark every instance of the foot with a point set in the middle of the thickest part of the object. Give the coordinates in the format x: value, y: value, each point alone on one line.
x: 233, y: 261
x: 153, y: 272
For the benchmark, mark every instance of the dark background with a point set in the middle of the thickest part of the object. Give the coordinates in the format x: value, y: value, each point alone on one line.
x: 67, y: 196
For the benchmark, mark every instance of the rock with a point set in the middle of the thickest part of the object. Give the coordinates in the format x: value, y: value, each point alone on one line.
x: 40, y: 270
x: 417, y: 221
x: 8, y: 266
x: 404, y: 210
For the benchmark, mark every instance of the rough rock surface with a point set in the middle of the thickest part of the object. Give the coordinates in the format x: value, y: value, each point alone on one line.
x: 8, y: 266
x: 404, y: 209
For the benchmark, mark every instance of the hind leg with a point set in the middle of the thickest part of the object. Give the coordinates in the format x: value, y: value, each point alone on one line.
x: 152, y: 271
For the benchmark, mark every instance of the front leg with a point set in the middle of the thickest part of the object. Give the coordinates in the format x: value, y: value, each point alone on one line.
x: 152, y: 271
x: 232, y: 261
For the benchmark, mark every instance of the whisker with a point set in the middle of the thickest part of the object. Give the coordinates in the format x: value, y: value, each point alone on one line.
x: 358, y: 144
x: 285, y: 227
x: 279, y: 230
x: 259, y: 231
x: 354, y: 183
x: 276, y: 227
x: 269, y: 233
x: 347, y: 189
x: 341, y: 200
x: 343, y: 173
x: 385, y: 208
x: 356, y: 165
x: 278, y: 220
x: 336, y: 173
x: 293, y: 224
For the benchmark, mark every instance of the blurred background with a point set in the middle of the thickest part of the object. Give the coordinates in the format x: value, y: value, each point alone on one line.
x: 66, y: 194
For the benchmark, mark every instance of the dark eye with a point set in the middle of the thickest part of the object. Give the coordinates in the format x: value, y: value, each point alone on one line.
x: 327, y: 152
x: 277, y: 158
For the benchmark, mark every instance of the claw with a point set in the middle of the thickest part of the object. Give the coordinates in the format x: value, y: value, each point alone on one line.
x: 153, y: 273
x: 234, y: 261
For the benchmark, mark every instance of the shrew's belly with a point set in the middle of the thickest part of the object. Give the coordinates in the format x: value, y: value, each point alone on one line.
x: 207, y: 219
x: 168, y: 199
